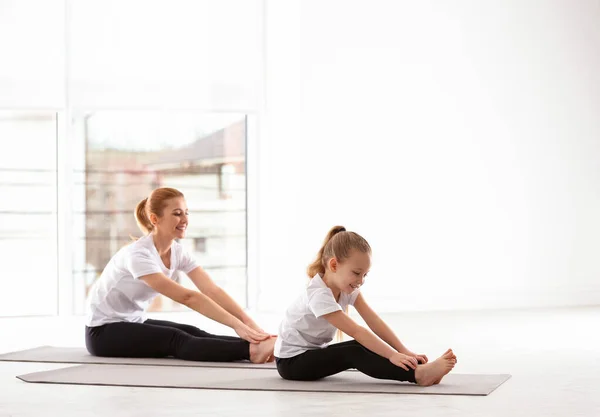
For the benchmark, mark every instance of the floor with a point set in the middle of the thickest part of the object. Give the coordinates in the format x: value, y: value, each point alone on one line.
x: 553, y: 355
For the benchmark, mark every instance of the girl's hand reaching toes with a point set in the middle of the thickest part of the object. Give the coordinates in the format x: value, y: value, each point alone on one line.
x: 404, y: 361
x: 422, y: 359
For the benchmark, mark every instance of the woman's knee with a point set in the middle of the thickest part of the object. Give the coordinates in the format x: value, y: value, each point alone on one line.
x: 190, y: 329
x: 355, y: 348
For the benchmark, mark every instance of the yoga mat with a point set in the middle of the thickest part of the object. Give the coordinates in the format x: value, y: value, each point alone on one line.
x: 255, y: 380
x: 54, y: 354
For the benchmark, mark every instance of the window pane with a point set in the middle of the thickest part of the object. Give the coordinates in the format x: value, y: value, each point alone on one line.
x: 28, y: 214
x: 128, y: 154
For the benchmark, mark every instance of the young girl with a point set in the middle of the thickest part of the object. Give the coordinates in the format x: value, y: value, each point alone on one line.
x: 117, y: 325
x: 302, y: 351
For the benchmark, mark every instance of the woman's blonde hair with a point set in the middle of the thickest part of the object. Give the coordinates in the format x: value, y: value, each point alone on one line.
x: 337, y: 244
x: 154, y: 204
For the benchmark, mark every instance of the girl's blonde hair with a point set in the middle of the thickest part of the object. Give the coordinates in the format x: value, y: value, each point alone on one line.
x: 337, y: 244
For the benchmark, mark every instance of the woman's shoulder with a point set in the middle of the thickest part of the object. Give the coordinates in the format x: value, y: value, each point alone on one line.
x: 178, y: 248
x: 142, y: 245
x: 181, y: 251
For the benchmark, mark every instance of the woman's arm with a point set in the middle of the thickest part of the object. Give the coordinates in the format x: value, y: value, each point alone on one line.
x: 378, y: 326
x: 202, y: 304
x: 342, y: 321
x: 208, y: 287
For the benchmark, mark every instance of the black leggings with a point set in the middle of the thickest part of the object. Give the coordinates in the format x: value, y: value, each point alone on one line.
x: 319, y: 363
x: 159, y: 339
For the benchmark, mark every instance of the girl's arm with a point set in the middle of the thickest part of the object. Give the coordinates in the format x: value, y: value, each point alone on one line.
x: 342, y: 321
x: 378, y: 326
x: 208, y: 287
x: 202, y: 304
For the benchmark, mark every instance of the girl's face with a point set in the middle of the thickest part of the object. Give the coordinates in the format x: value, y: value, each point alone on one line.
x: 174, y: 220
x: 351, y: 272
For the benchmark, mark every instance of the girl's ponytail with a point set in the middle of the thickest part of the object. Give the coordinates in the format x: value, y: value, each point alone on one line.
x: 318, y: 266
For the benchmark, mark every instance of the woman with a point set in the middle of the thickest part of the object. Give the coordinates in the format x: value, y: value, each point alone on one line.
x: 117, y: 326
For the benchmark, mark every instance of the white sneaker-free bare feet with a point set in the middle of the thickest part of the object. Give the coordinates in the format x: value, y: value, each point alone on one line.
x: 432, y: 373
x: 262, y: 352
x: 455, y: 362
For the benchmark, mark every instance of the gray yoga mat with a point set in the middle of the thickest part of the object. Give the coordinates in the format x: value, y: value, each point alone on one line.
x: 54, y: 354
x: 254, y: 380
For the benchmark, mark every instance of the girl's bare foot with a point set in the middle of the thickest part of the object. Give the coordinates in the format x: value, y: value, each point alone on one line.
x: 432, y: 373
x: 262, y: 352
x: 455, y: 361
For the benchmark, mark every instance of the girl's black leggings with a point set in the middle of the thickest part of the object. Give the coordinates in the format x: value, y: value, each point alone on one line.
x: 159, y: 339
x: 319, y: 363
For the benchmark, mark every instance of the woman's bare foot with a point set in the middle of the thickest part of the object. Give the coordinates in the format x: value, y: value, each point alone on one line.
x: 433, y: 372
x: 262, y: 352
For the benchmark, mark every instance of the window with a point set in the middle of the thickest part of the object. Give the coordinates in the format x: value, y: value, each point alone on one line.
x: 28, y: 215
x: 73, y: 174
x: 200, y: 244
x: 128, y: 154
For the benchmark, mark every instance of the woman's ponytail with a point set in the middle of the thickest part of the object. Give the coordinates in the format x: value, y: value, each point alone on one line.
x: 142, y: 217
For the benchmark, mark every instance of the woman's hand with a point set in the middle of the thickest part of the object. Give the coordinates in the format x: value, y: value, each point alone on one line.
x: 251, y: 335
x: 250, y: 323
x: 404, y: 361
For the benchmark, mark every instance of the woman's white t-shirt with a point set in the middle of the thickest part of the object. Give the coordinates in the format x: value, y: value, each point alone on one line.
x: 303, y: 327
x: 119, y: 294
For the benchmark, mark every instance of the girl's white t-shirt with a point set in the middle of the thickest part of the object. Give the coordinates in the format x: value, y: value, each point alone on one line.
x: 303, y: 327
x: 119, y: 294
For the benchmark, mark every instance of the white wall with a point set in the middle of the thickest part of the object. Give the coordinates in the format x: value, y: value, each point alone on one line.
x: 462, y: 139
